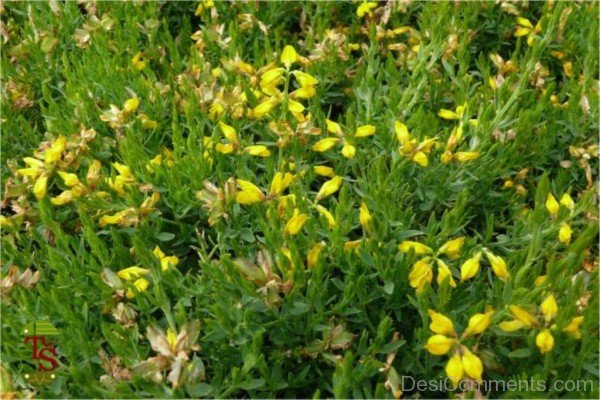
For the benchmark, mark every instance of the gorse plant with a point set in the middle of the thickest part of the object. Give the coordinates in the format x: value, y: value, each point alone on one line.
x: 301, y: 199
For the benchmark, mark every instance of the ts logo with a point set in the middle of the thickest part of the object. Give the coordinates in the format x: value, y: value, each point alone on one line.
x: 42, y: 351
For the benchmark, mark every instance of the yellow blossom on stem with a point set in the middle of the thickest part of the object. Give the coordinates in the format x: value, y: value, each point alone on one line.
x: 328, y: 216
x: 564, y: 233
x: 470, y: 268
x: 295, y: 224
x: 366, y: 8
x: 421, y: 274
x: 141, y: 285
x: 549, y: 308
x: 552, y: 205
x: 498, y: 265
x: 454, y: 368
x: 472, y: 365
x: 288, y: 56
x: 441, y: 324
x: 439, y: 344
x: 444, y: 274
x: 544, y: 341
x: 573, y: 328
x: 132, y: 273
x: 249, y: 193
x: 478, y: 323
x: 165, y: 261
x: 365, y: 217
x: 452, y: 247
x: 567, y: 201
x: 418, y: 248
x: 330, y: 187
x: 312, y: 258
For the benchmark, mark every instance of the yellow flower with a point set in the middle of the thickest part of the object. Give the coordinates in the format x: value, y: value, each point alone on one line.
x: 418, y: 248
x: 280, y: 182
x: 324, y: 171
x: 165, y: 262
x: 54, y: 153
x: 330, y: 187
x: 573, y: 328
x: 364, y: 131
x: 523, y: 316
x: 325, y: 144
x: 439, y: 345
x: 131, y: 104
x: 441, y: 324
x: 249, y: 194
x: 353, y: 244
x: 295, y: 224
x: 470, y: 268
x: 40, y: 187
x: 525, y: 28
x: 69, y: 178
x: 544, y: 341
x: 312, y: 257
x: 365, y: 216
x: 65, y: 197
x: 333, y: 127
x: 464, y: 156
x: 141, y: 285
x: 511, y: 326
x: 472, y: 365
x: 549, y: 308
x: 444, y: 274
x: 454, y: 368
x: 366, y: 8
x: 478, y: 323
x: 498, y: 265
x: 305, y: 80
x: 348, y: 150
x: 420, y: 158
x: 328, y: 216
x: 421, y: 274
x: 288, y: 56
x: 132, y: 273
x: 448, y: 114
x: 138, y: 61
x: 264, y: 108
x: 552, y: 205
x: 452, y: 247
x: 564, y: 233
x: 567, y: 201
x: 257, y: 150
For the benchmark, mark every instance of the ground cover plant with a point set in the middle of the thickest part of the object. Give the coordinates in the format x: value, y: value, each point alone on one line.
x: 300, y: 199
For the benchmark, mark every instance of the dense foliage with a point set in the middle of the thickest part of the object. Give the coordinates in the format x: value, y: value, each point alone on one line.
x: 300, y: 199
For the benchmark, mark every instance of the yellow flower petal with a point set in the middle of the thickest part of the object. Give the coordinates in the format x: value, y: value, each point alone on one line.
x: 567, y: 201
x: 470, y: 268
x: 448, y: 114
x: 549, y: 308
x: 452, y: 247
x: 552, y: 205
x: 250, y: 193
x: 564, y: 233
x: 348, y: 150
x: 40, y: 186
x: 573, y: 328
x: 365, y: 216
x: 454, y: 369
x: 444, y: 274
x: 421, y: 274
x: 364, y: 131
x: 258, y: 150
x: 478, y: 323
x: 441, y: 324
x: 511, y: 326
x: 328, y: 216
x: 330, y: 187
x: 544, y: 341
x: 312, y: 258
x: 419, y: 248
x: 333, y: 127
x: 439, y: 345
x: 472, y: 365
x: 498, y: 265
x: 295, y: 224
x: 132, y: 273
x: 288, y: 56
x: 420, y: 158
x: 325, y: 144
x: 280, y: 182
x: 324, y: 171
x: 523, y: 316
